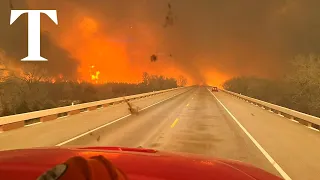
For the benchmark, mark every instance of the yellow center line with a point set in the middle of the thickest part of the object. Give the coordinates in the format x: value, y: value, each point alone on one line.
x: 174, y: 123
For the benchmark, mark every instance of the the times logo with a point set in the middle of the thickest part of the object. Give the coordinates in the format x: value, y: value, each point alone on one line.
x: 33, y: 30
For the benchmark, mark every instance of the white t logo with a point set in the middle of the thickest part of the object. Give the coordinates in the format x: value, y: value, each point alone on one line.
x: 33, y: 30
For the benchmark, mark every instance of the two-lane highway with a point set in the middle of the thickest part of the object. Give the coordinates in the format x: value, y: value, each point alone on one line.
x: 192, y: 120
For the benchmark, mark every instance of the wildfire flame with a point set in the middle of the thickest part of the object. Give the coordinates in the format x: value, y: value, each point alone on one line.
x: 94, y: 75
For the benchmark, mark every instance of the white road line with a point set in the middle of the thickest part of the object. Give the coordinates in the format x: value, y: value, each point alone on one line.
x: 88, y: 132
x: 160, y: 102
x: 255, y: 142
x: 95, y: 129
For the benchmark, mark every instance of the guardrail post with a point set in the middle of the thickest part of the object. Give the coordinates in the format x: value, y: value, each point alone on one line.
x: 49, y: 118
x: 279, y: 113
x: 73, y: 112
x: 92, y: 108
x: 292, y: 118
x: 15, y: 125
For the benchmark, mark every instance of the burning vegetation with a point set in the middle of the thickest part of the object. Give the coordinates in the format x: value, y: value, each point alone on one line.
x: 94, y: 74
x: 29, y: 88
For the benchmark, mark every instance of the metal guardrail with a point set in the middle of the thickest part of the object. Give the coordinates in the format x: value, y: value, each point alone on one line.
x: 20, y: 120
x: 305, y: 119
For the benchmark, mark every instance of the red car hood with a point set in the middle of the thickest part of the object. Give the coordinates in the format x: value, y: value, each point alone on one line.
x: 138, y: 164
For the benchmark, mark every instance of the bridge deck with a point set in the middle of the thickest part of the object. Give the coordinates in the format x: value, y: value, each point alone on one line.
x: 192, y: 122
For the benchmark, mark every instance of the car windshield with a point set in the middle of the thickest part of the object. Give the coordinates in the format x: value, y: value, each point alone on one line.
x: 231, y: 80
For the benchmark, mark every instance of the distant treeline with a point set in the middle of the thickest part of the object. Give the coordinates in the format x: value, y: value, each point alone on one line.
x: 299, y: 89
x: 24, y: 95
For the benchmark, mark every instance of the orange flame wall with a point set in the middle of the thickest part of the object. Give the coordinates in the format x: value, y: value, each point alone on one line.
x: 120, y: 52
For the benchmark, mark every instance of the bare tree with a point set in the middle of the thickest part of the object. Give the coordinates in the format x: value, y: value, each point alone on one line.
x: 22, y: 87
x: 182, y: 81
x: 299, y: 89
x: 146, y: 78
x: 5, y: 72
x: 304, y: 79
x: 6, y: 96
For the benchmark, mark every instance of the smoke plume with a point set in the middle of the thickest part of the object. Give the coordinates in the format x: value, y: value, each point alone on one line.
x: 207, y: 41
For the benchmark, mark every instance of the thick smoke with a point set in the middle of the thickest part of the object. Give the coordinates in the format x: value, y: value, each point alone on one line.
x: 239, y: 37
x: 245, y: 37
